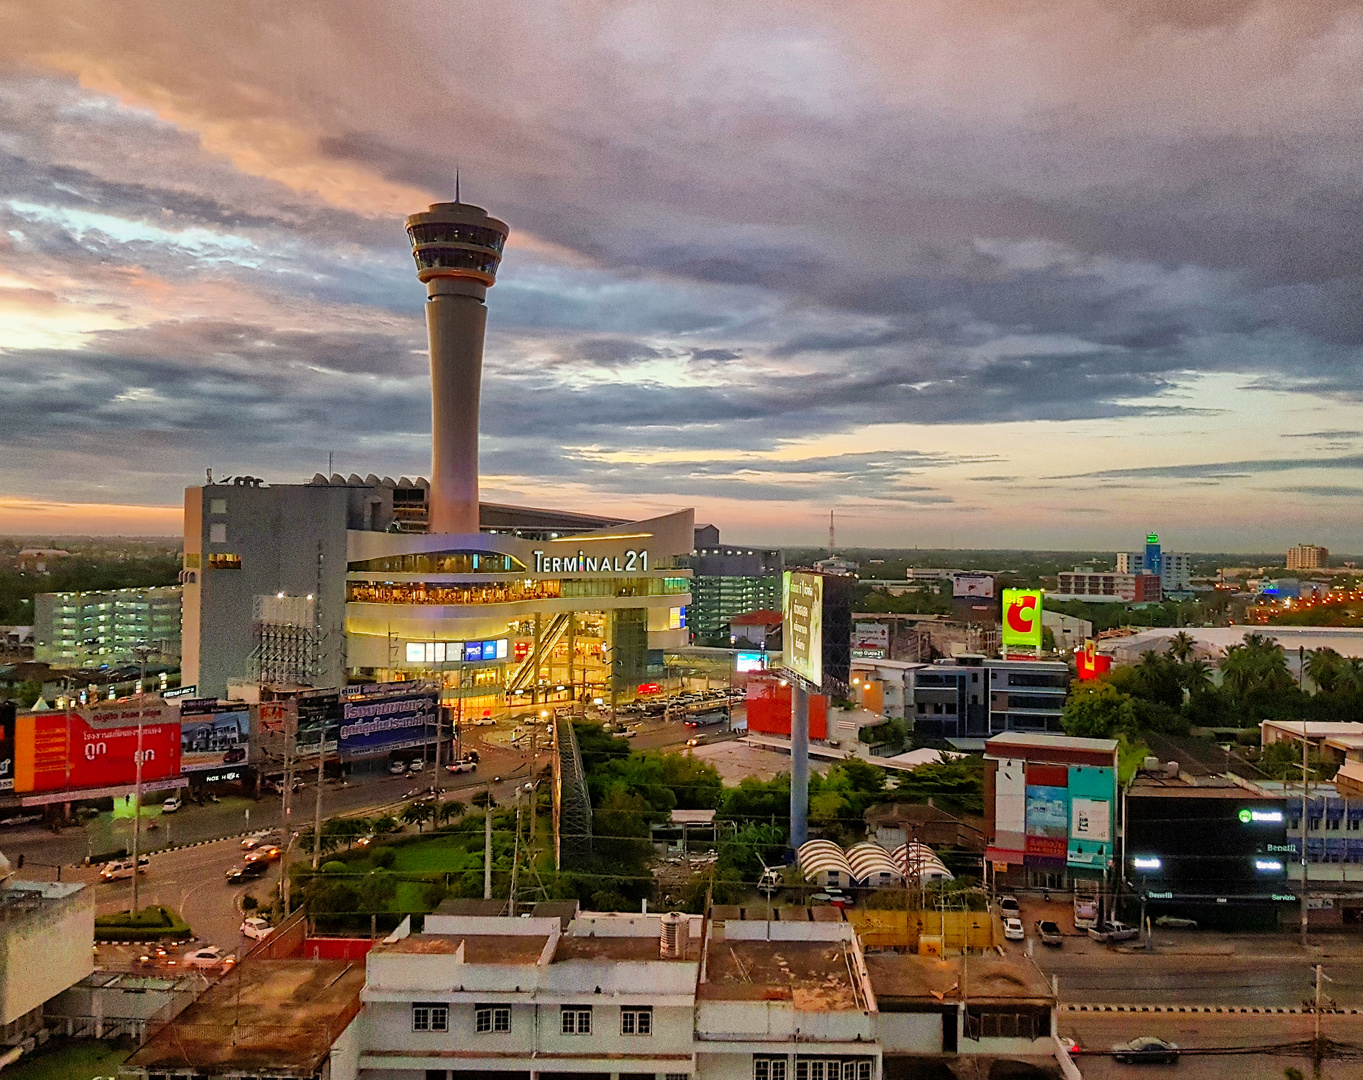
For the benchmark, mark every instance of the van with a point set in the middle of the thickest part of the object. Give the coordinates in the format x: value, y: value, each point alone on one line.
x: 120, y: 869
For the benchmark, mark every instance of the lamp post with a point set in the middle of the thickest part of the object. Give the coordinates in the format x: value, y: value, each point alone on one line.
x: 143, y: 650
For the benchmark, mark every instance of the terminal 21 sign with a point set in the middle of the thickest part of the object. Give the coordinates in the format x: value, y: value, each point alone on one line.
x: 579, y: 562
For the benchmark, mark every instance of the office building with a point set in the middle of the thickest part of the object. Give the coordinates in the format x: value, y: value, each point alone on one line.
x: 1069, y: 632
x: 92, y: 629
x: 1174, y: 568
x: 1050, y: 808
x: 1307, y: 557
x: 971, y: 697
x: 371, y: 580
x: 728, y: 581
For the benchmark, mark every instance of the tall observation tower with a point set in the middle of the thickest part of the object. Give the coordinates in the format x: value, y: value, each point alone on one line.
x: 457, y: 248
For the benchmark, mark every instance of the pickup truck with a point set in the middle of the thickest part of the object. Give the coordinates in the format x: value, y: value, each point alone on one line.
x: 463, y: 765
x: 1049, y: 932
x: 1110, y: 933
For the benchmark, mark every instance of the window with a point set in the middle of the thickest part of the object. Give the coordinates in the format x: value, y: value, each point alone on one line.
x: 768, y: 1068
x: 636, y: 1021
x: 217, y: 506
x: 493, y: 1018
x: 223, y: 561
x: 1332, y: 824
x: 1354, y: 823
x: 430, y: 1016
x: 217, y: 532
x: 575, y: 1021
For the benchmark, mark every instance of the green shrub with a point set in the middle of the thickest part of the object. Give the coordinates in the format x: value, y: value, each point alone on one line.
x: 149, y: 924
x: 384, y: 857
x: 334, y: 866
x: 249, y: 903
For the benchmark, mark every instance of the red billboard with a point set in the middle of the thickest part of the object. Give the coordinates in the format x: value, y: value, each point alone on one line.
x: 59, y: 750
x: 1090, y: 663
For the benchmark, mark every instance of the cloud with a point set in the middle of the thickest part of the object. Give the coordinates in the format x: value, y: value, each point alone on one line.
x: 1223, y: 470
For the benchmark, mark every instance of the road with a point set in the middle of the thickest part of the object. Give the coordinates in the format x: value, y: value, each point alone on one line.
x: 1235, y: 1036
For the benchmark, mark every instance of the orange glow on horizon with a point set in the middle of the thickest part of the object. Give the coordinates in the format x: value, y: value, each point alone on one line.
x: 27, y: 517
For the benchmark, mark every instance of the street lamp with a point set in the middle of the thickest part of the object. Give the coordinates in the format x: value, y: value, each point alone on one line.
x: 143, y: 650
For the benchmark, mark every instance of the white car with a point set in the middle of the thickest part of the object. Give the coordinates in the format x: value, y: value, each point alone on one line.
x: 210, y: 956
x: 256, y: 928
x: 120, y: 869
x: 463, y: 765
x: 171, y: 805
x: 1012, y: 930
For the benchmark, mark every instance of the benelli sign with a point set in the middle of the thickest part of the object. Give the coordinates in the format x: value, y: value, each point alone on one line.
x: 627, y: 563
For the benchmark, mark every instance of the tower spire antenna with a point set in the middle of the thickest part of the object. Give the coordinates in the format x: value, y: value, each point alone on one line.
x: 456, y: 185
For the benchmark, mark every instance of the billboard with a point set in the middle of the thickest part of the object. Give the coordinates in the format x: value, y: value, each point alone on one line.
x: 973, y: 585
x: 213, y: 734
x: 60, y: 750
x: 1022, y: 618
x: 750, y: 661
x: 7, y: 714
x: 802, y: 618
x: 393, y: 716
x: 1089, y: 663
x: 871, y: 635
x: 1092, y: 789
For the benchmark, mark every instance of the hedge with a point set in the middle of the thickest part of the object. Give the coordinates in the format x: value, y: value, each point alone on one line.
x: 150, y: 924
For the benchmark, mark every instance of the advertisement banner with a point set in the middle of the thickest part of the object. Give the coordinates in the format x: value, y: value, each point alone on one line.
x: 802, y: 616
x: 7, y: 714
x: 214, y: 734
x: 1022, y: 618
x: 1048, y: 812
x: 59, y: 750
x: 1093, y: 790
x: 973, y: 585
x: 1090, y: 663
x: 395, y: 720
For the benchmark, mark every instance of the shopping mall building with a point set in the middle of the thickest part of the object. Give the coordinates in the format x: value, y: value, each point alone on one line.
x: 345, y: 580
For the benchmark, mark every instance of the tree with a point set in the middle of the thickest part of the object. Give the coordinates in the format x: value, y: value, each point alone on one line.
x: 385, y: 824
x: 1196, y: 676
x: 448, y: 810
x: 417, y: 813
x: 1182, y: 646
x: 1327, y: 670
x: 1257, y: 665
x: 483, y: 800
x: 956, y: 784
x: 1098, y: 710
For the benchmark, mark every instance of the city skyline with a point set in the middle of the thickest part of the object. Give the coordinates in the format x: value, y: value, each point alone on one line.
x: 968, y: 277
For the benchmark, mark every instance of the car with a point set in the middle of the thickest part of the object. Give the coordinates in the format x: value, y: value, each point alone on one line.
x: 1009, y: 905
x: 1173, y: 922
x: 234, y: 756
x: 1049, y: 932
x: 209, y: 956
x: 397, y: 768
x: 1145, y: 1049
x: 415, y: 765
x: 1071, y: 1045
x: 1112, y: 932
x: 171, y: 805
x: 256, y: 840
x: 696, y: 741
x: 266, y: 853
x: 1012, y: 930
x: 463, y: 765
x: 256, y: 928
x: 120, y: 869
x: 247, y: 870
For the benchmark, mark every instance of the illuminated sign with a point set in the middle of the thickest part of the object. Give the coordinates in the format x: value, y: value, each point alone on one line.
x: 629, y: 562
x: 750, y: 661
x: 1267, y: 864
x: 1160, y: 895
x: 1146, y: 863
x: 1022, y: 618
x: 980, y: 585
x: 439, y: 652
x: 1247, y: 816
x: 802, y: 616
x: 676, y: 618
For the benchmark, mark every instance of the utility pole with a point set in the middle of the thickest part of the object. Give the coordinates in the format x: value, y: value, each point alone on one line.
x: 1318, y: 1047
x: 286, y: 796
x: 317, y: 816
x: 1305, y: 827
x: 487, y: 846
x: 142, y: 651
x: 515, y: 859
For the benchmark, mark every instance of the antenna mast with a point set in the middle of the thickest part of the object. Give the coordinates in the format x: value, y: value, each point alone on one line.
x: 832, y: 536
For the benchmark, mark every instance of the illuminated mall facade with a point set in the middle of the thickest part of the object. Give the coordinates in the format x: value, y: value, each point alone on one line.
x: 344, y: 579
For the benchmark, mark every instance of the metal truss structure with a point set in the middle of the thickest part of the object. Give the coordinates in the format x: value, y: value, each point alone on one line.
x: 572, y: 801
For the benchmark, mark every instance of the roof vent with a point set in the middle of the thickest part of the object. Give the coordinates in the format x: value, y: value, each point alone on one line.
x: 1171, y: 768
x: 675, y: 936
x: 1151, y: 764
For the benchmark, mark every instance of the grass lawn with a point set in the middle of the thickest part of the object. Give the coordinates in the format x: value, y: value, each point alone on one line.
x: 440, y: 854
x: 69, y: 1059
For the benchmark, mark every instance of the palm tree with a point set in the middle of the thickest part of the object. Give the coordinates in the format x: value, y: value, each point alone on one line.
x: 1351, y: 678
x: 1196, y: 675
x: 1327, y: 670
x: 448, y: 810
x: 416, y: 813
x: 1182, y: 646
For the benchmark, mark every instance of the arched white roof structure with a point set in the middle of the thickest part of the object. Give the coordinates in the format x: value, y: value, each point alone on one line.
x: 917, y: 859
x: 824, y: 863
x: 872, y: 865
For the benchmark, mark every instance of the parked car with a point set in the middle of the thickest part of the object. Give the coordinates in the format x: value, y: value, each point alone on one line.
x: 1173, y: 922
x: 1049, y: 932
x: 397, y: 768
x: 1112, y: 932
x: 1012, y: 929
x: 463, y: 765
x: 1147, y: 1048
x: 1009, y: 905
x: 256, y: 928
x: 246, y: 871
x: 171, y: 805
x: 209, y: 956
x: 120, y: 869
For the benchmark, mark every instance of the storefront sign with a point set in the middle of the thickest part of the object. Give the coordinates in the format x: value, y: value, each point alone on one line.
x: 630, y: 562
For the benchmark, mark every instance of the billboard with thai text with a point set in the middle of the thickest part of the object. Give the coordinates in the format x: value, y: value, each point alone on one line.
x: 391, y: 718
x: 802, y: 617
x: 214, y: 734
x: 60, y: 750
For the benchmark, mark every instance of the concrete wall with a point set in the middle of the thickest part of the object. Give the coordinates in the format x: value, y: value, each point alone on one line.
x: 47, y: 950
x: 910, y: 1033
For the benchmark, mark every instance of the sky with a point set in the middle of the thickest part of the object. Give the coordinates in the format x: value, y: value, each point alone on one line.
x: 969, y: 273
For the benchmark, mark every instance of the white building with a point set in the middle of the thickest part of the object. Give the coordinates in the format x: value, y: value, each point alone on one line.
x: 46, y: 946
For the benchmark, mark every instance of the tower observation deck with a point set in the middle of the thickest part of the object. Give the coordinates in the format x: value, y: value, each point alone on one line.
x: 457, y: 248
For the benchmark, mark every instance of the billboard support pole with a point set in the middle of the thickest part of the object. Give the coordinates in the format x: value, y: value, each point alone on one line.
x: 142, y: 651
x: 799, y: 764
x: 317, y: 818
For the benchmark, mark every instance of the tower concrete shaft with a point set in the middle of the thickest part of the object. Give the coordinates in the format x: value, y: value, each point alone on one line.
x: 457, y: 248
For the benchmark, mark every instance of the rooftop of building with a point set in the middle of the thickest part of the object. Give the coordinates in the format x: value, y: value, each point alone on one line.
x: 902, y: 978
x: 814, y: 976
x: 757, y: 618
x: 1185, y: 786
x: 275, y: 1016
x: 1200, y: 757
x: 1316, y: 729
x: 22, y: 899
x: 1024, y: 740
x: 474, y: 948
